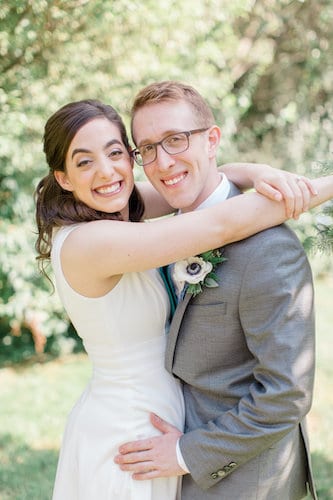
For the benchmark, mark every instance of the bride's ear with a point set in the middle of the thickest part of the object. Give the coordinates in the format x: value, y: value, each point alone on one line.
x: 62, y: 180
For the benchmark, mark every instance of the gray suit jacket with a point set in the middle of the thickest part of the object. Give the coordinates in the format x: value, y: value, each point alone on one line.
x: 245, y: 354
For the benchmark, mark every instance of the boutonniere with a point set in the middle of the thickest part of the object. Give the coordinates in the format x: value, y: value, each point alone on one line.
x: 198, y: 271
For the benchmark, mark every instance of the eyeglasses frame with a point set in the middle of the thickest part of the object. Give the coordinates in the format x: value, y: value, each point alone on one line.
x: 188, y: 133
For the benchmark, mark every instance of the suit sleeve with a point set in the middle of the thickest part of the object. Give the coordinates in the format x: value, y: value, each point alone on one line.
x: 277, y: 317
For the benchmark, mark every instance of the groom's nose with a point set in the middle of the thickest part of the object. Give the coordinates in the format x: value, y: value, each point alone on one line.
x: 164, y: 160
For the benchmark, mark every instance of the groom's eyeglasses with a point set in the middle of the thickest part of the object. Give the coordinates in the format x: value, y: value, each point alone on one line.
x: 172, y: 144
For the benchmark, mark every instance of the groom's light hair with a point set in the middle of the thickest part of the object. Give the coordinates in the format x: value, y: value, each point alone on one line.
x: 172, y: 91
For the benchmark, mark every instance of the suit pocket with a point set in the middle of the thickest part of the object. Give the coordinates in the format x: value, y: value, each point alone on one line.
x: 207, y: 311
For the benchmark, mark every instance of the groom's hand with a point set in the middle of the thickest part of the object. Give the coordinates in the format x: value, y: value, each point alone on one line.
x: 152, y: 457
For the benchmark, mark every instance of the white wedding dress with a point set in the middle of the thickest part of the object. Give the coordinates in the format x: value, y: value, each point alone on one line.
x: 124, y: 336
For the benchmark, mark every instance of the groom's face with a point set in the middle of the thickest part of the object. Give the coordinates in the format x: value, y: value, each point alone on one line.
x: 184, y: 179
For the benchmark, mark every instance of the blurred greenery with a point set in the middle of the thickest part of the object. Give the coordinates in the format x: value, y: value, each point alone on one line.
x: 35, y: 399
x: 265, y: 67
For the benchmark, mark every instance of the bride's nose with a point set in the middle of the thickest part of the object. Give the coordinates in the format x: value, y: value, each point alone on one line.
x: 105, y: 168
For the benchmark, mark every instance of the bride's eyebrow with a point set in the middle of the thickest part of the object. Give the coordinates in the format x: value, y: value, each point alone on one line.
x: 79, y: 150
x: 112, y: 142
x: 107, y: 145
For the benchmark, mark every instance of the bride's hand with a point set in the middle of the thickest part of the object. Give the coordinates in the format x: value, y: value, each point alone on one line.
x: 278, y: 185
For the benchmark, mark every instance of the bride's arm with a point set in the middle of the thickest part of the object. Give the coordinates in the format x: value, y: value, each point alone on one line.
x: 155, y: 204
x: 114, y: 247
x: 273, y: 183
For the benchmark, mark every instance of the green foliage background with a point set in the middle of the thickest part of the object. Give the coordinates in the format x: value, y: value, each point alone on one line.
x: 265, y: 67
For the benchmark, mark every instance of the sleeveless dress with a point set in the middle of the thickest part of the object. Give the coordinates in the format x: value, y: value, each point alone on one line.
x: 124, y: 335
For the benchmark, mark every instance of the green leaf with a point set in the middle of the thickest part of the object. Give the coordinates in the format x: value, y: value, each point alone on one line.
x: 195, y: 289
x: 210, y: 283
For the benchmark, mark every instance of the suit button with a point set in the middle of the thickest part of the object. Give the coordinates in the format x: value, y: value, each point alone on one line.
x: 221, y: 473
x: 214, y: 475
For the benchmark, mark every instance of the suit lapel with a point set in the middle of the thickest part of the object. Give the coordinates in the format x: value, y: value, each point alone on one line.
x: 174, y: 330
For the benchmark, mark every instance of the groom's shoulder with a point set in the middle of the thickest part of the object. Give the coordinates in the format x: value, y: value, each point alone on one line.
x: 274, y: 239
x: 273, y: 234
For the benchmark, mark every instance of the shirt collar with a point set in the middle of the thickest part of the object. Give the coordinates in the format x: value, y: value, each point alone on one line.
x: 219, y: 194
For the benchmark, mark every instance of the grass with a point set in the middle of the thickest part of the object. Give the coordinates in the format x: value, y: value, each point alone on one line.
x: 35, y: 399
x: 34, y: 402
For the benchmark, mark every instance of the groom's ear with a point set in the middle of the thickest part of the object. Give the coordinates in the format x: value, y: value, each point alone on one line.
x: 214, y: 137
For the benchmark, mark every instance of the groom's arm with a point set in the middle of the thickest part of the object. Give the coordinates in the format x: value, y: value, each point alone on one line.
x: 152, y: 457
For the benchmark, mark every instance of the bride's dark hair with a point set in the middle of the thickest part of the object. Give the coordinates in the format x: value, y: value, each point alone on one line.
x: 55, y: 206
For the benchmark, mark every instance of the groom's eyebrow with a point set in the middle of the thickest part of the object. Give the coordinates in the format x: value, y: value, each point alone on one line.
x: 144, y: 142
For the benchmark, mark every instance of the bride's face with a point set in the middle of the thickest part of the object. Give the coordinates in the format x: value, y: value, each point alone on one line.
x: 99, y: 169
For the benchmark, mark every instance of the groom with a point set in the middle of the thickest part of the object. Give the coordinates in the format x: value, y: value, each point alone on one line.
x: 244, y: 350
